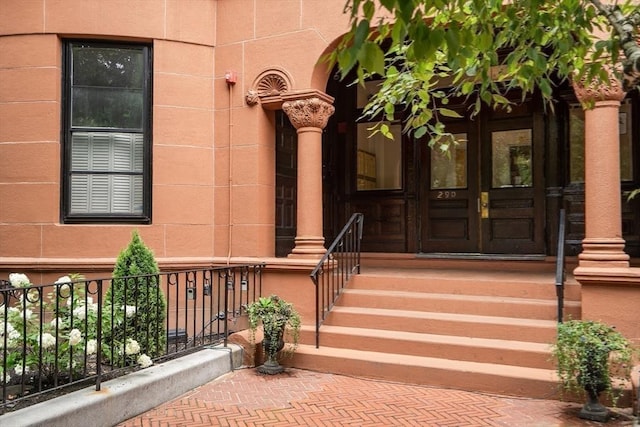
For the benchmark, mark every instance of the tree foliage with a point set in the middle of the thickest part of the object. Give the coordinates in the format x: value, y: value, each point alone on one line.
x: 485, y: 48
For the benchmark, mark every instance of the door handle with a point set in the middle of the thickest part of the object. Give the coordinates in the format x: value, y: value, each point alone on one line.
x: 484, y: 204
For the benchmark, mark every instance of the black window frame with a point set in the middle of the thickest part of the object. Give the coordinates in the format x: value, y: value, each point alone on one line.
x: 67, y: 216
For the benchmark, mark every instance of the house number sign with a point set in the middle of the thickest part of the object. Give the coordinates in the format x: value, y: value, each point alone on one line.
x: 446, y: 195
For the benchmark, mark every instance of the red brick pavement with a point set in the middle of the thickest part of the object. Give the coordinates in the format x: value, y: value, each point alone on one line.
x: 305, y: 398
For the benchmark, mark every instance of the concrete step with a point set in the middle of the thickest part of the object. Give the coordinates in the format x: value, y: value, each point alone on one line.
x: 469, y: 262
x: 457, y: 282
x: 412, y: 369
x: 464, y: 325
x: 471, y: 349
x: 482, y: 327
x: 542, y: 309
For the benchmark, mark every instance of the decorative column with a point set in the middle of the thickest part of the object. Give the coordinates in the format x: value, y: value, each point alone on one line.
x: 603, y: 245
x: 309, y: 116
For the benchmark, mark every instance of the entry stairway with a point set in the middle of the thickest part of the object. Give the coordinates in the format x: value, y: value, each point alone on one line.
x: 482, y: 326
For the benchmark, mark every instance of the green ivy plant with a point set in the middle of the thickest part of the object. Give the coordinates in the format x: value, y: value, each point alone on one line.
x: 141, y: 295
x: 278, y: 319
x: 592, y: 356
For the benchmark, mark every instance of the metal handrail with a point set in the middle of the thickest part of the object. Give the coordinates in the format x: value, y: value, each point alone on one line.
x: 560, y: 265
x: 341, y: 260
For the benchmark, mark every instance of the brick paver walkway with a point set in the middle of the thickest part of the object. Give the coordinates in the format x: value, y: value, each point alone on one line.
x: 305, y: 398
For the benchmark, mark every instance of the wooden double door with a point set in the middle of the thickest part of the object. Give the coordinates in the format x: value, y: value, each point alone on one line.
x: 486, y: 195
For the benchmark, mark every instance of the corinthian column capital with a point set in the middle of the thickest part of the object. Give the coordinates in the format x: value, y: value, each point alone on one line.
x: 310, y: 112
x: 597, y: 91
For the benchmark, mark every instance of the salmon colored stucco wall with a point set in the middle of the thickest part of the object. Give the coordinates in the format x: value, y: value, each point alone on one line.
x: 183, y: 37
x: 197, y: 117
x: 254, y: 37
x: 614, y: 305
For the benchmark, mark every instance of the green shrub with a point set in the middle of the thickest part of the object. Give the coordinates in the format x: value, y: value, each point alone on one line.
x: 140, y: 300
x: 279, y: 320
x: 592, y: 357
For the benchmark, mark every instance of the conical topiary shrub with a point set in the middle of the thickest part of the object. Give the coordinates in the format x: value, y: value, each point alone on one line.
x: 135, y: 305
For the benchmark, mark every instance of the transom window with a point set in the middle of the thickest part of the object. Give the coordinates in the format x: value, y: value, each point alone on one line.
x: 107, y: 144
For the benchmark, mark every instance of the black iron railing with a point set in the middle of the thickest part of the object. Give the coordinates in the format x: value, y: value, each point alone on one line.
x: 78, y: 332
x: 332, y: 272
x: 560, y: 265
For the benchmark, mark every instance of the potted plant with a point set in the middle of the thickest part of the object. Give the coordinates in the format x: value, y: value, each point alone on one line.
x: 279, y: 320
x: 592, y: 358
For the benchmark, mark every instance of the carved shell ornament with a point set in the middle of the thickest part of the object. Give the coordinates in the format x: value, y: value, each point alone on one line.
x: 270, y: 84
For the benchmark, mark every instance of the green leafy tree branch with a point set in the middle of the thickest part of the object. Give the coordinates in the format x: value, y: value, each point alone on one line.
x: 484, y: 49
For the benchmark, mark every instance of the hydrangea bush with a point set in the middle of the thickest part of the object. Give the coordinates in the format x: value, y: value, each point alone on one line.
x: 51, y: 331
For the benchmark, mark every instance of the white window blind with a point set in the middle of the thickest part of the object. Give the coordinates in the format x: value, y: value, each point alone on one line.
x: 106, y: 173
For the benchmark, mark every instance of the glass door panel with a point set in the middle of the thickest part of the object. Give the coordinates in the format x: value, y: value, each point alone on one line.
x: 511, y: 158
x: 379, y: 160
x: 449, y: 169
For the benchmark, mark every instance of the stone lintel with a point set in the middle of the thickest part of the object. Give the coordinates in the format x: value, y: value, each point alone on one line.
x: 275, y: 101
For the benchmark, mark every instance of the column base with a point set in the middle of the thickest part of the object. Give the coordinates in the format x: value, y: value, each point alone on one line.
x: 603, y: 253
x: 308, y: 247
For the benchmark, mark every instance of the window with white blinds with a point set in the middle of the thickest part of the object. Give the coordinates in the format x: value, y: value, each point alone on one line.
x: 107, y: 172
x: 107, y: 128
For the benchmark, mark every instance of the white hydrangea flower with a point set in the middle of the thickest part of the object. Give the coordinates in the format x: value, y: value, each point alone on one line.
x: 75, y: 336
x: 129, y: 310
x: 57, y: 322
x: 19, y: 280
x: 93, y: 307
x: 132, y: 347
x: 13, y: 334
x: 63, y: 289
x: 63, y: 279
x: 31, y: 297
x: 92, y: 346
x: 18, y: 370
x: 144, y: 361
x: 48, y: 340
x: 7, y: 379
x: 79, y: 312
